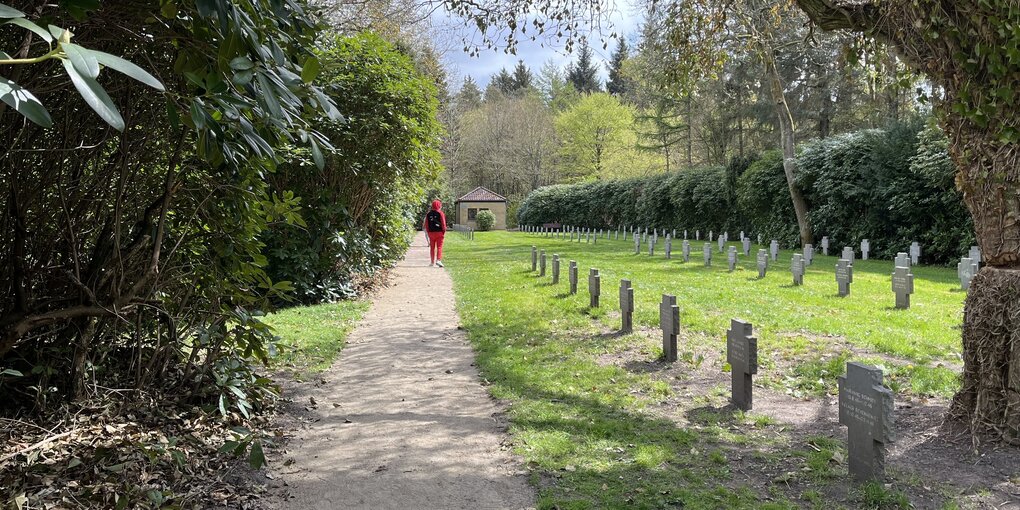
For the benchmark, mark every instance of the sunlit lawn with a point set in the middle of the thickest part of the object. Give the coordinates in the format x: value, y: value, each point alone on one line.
x: 311, y: 337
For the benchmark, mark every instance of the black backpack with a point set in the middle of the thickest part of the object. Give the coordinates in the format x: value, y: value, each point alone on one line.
x: 434, y: 221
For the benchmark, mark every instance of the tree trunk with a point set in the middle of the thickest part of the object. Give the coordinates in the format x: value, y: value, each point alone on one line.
x: 789, y: 151
x: 989, y: 396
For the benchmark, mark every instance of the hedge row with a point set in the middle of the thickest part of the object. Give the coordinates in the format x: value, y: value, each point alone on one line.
x: 891, y: 186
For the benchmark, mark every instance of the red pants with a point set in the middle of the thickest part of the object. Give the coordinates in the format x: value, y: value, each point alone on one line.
x: 436, y: 246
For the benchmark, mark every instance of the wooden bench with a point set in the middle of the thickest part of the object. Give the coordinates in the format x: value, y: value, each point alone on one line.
x: 551, y: 226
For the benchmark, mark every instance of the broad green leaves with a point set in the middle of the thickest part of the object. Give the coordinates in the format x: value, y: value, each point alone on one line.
x: 24, y: 102
x: 95, y: 96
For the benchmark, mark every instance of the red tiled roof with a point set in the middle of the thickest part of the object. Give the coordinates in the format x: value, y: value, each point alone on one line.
x: 481, y: 194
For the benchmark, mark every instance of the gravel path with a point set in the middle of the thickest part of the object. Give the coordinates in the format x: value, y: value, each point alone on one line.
x: 401, y: 420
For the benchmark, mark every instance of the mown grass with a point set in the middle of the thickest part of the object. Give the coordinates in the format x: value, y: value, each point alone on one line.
x: 311, y: 337
x: 588, y: 429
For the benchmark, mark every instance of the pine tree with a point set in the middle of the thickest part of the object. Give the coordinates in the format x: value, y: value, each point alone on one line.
x: 583, y: 74
x: 617, y: 83
x: 522, y: 78
x: 504, y: 82
x: 470, y: 96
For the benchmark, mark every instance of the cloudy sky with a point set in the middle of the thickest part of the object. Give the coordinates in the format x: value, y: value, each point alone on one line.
x: 450, y: 33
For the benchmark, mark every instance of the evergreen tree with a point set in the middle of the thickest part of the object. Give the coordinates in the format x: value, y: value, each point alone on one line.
x: 470, y: 96
x: 617, y: 83
x: 522, y: 78
x: 504, y: 82
x: 583, y: 74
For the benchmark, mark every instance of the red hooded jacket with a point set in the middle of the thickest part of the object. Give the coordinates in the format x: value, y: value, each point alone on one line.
x: 438, y: 207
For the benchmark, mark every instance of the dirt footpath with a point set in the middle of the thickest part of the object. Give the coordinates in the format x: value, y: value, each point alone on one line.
x: 401, y: 420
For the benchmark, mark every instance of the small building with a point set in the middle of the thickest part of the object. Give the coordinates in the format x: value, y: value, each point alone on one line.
x: 481, y: 199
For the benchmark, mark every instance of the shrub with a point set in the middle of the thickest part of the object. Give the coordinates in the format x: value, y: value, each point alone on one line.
x: 485, y: 220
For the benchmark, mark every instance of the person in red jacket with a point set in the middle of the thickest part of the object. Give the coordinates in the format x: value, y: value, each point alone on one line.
x: 434, y: 226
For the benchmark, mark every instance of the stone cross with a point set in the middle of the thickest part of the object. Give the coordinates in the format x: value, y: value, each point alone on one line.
x: 685, y: 235
x: 541, y: 264
x: 617, y: 238
x: 848, y: 254
x: 594, y: 287
x: 731, y: 258
x: 915, y: 253
x: 651, y: 246
x: 626, y: 306
x: 797, y: 268
x: 595, y: 239
x: 747, y: 246
x: 697, y: 235
x: 763, y: 262
x: 902, y: 260
x: 686, y: 247
x: 903, y: 286
x: 708, y: 255
x: 865, y: 248
x: 669, y: 321
x: 669, y: 247
x: 637, y: 245
x: 710, y: 236
x: 844, y: 276
x: 556, y: 269
x: 534, y: 258
x: 674, y: 233
x: 774, y: 249
x: 759, y: 239
x: 587, y: 235
x: 572, y: 276
x: 975, y: 255
x: 741, y: 235
x: 866, y: 408
x: 966, y: 270
x: 825, y: 246
x: 722, y: 243
x: 742, y: 355
x: 809, y: 254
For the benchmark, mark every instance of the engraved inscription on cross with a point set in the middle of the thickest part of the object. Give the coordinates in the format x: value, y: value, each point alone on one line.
x: 572, y: 276
x: 903, y: 286
x: 844, y: 276
x: 669, y: 322
x: 763, y: 262
x: 626, y: 306
x: 742, y: 355
x: 866, y: 408
x: 594, y: 287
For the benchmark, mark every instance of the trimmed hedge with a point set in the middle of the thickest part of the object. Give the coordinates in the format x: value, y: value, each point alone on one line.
x: 891, y: 186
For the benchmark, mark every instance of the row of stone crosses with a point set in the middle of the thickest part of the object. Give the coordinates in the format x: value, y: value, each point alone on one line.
x: 865, y: 404
x: 902, y: 278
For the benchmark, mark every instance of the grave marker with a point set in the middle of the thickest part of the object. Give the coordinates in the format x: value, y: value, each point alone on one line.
x: 763, y: 262
x: 848, y: 254
x: 797, y: 268
x: 915, y: 253
x: 903, y: 286
x: 637, y: 245
x: 866, y: 408
x: 774, y: 249
x: 975, y: 255
x: 844, y: 276
x: 541, y: 264
x: 710, y: 235
x: 626, y: 306
x: 759, y: 239
x: 809, y: 254
x: 747, y: 246
x: 669, y: 247
x: 901, y: 260
x: 697, y: 235
x: 731, y: 258
x: 825, y: 246
x: 686, y: 247
x: 556, y: 269
x: 865, y: 249
x: 708, y: 255
x: 651, y: 246
x: 966, y: 269
x: 722, y: 244
x: 685, y: 235
x: 572, y: 276
x: 594, y: 287
x: 534, y: 258
x: 742, y: 355
x: 669, y: 322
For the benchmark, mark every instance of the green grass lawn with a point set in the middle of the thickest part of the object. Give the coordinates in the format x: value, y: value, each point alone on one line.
x: 312, y: 336
x: 589, y: 430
